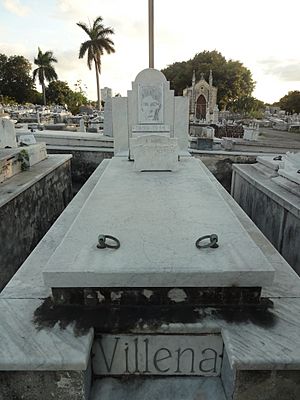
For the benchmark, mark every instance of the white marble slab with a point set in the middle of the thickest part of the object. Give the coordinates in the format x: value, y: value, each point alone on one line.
x: 159, y: 389
x: 28, y: 283
x: 24, y: 347
x: 270, y: 162
x: 248, y: 344
x: 154, y: 153
x: 293, y: 176
x: 157, y: 217
x: 180, y: 355
x: 257, y: 347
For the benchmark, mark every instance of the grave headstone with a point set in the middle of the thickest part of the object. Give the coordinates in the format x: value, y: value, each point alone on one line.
x: 82, y: 126
x: 150, y: 109
x: 27, y: 140
x: 108, y: 122
x: 7, y: 133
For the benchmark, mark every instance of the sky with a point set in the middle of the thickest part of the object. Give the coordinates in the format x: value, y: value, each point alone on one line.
x: 263, y: 34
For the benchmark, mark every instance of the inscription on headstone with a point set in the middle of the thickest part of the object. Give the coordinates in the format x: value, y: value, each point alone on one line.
x: 199, y: 355
x: 151, y: 128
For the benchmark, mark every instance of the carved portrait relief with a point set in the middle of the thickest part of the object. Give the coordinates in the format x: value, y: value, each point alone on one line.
x: 150, y: 104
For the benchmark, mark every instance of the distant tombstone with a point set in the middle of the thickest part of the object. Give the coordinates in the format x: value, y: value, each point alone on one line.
x: 108, y: 122
x: 216, y: 115
x: 151, y: 109
x: 82, y: 126
x: 251, y: 132
x: 27, y: 140
x: 7, y: 133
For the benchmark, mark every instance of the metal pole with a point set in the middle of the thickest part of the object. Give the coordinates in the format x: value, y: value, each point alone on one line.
x: 151, y: 33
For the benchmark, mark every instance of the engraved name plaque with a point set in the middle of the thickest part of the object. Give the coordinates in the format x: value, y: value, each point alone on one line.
x: 198, y: 355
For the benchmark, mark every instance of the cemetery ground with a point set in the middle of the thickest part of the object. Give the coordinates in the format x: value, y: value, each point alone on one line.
x: 289, y: 138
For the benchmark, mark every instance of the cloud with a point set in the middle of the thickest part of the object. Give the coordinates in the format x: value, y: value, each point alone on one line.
x: 15, y: 7
x: 288, y: 71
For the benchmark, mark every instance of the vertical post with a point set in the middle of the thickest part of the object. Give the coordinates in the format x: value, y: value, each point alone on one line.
x: 151, y: 33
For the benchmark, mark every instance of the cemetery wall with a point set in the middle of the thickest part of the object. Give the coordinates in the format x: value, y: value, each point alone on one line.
x: 276, y: 217
x: 84, y: 163
x: 220, y: 165
x: 26, y: 217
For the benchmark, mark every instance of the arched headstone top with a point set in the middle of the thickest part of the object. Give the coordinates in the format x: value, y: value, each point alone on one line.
x: 151, y: 109
x: 150, y: 75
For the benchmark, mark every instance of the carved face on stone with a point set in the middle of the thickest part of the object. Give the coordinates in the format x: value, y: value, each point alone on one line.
x: 150, y: 104
x: 150, y: 108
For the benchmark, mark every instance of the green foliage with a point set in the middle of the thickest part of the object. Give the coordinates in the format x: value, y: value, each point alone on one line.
x: 23, y: 158
x: 37, y: 97
x: 15, y: 80
x: 75, y: 100
x: 290, y: 102
x: 99, y: 41
x: 248, y: 106
x: 58, y: 92
x: 45, y: 71
x: 232, y: 79
x: 7, y: 100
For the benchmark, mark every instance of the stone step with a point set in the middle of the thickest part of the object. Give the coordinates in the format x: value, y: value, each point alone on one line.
x: 174, y: 388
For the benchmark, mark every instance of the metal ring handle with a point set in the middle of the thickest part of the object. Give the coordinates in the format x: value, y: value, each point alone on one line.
x: 212, y: 244
x: 102, y: 244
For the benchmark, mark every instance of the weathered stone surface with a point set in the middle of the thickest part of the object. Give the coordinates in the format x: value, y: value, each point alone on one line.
x: 220, y: 165
x: 84, y: 161
x: 28, y: 282
x: 29, y: 204
x: 267, y: 385
x: 195, y: 388
x: 150, y: 108
x: 178, y: 216
x: 272, y: 208
x: 247, y: 331
x: 44, y: 385
x: 108, y: 122
x: 152, y: 296
x: 7, y: 133
x: 154, y: 153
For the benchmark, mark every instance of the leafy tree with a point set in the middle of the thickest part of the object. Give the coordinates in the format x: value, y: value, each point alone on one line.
x: 45, y: 70
x: 232, y: 79
x: 75, y: 100
x: 290, y: 102
x: 99, y: 41
x: 15, y: 80
x: 37, y: 97
x: 59, y: 92
x: 248, y: 106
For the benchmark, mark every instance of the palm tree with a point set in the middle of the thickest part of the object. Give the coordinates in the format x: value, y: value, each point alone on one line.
x: 45, y: 70
x: 98, y: 42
